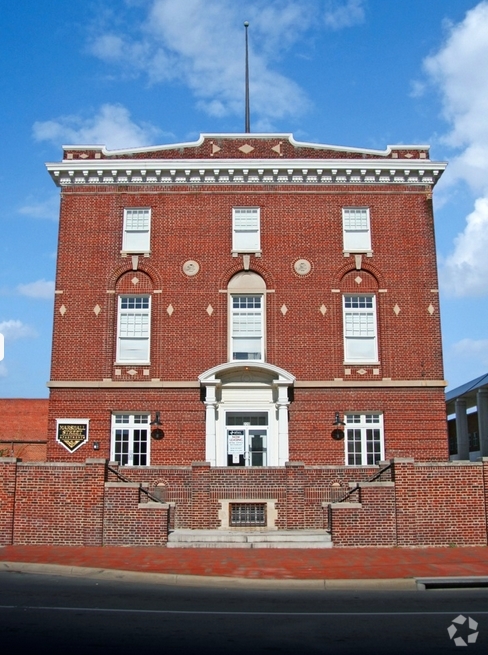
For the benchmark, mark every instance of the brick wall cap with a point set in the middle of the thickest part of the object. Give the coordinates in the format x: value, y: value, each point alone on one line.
x: 346, y: 505
x: 95, y: 460
x: 456, y: 462
x: 245, y: 137
x: 376, y: 484
x: 196, y: 464
x: 294, y: 465
x: 9, y: 460
x: 403, y: 460
x: 122, y: 485
x: 153, y: 505
x: 67, y: 465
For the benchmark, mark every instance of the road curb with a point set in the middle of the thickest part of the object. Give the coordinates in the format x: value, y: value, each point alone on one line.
x: 403, y: 584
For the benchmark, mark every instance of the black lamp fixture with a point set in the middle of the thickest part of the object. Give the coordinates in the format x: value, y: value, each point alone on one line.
x: 157, y: 432
x: 338, y: 431
x: 157, y: 421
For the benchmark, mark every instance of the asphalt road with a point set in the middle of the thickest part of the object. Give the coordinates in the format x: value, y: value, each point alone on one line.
x: 54, y: 614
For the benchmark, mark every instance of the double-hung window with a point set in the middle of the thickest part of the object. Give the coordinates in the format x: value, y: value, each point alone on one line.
x: 137, y: 229
x: 356, y: 229
x: 247, y: 327
x: 364, y: 439
x: 133, y: 330
x: 246, y: 229
x: 130, y: 439
x: 360, y: 335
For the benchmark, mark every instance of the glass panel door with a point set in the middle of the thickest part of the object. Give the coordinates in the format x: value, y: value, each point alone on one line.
x: 257, y: 447
x: 246, y: 442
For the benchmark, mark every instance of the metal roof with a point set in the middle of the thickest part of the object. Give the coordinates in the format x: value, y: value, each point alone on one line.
x: 466, y: 391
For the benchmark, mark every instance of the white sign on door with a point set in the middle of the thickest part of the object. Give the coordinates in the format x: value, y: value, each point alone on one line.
x: 235, y: 443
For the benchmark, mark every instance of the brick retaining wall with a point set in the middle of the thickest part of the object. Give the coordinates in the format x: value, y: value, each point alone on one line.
x: 414, y: 504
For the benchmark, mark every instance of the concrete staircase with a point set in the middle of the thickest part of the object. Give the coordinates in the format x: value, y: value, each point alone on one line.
x: 250, y: 539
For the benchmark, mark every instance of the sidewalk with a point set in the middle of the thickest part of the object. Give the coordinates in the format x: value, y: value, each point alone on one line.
x: 332, y: 566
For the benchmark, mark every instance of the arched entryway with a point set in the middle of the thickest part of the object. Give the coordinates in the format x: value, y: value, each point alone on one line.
x: 246, y: 414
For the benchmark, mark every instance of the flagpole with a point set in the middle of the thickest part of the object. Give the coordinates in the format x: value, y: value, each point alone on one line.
x: 247, y: 127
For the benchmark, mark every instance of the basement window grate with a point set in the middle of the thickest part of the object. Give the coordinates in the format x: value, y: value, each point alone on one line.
x: 247, y: 514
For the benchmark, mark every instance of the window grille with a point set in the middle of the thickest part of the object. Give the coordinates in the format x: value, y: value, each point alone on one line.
x: 247, y: 514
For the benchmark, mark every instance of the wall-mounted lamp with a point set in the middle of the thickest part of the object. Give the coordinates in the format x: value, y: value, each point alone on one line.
x: 337, y: 422
x: 338, y: 431
x: 96, y: 445
x: 157, y: 433
x: 157, y: 421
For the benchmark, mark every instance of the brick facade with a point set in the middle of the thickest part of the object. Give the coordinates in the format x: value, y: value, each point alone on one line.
x: 23, y: 428
x: 217, y: 340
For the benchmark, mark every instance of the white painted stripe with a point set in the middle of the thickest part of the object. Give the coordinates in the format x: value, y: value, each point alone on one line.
x: 225, y: 613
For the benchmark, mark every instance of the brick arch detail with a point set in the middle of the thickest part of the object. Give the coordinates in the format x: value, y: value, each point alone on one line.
x: 369, y: 282
x: 253, y: 268
x: 143, y: 267
x: 124, y: 283
x: 366, y: 267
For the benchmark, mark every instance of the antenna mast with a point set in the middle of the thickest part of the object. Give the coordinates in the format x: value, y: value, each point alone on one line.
x: 247, y: 127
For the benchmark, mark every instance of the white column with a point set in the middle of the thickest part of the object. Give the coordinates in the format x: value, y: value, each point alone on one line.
x: 210, y: 422
x: 282, y: 406
x: 482, y: 403
x: 462, y: 429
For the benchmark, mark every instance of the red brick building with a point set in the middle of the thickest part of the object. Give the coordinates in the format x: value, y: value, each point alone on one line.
x: 23, y: 428
x: 247, y: 288
x: 244, y: 320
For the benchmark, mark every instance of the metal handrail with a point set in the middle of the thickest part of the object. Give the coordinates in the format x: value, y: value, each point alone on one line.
x: 371, y: 479
x: 144, y: 491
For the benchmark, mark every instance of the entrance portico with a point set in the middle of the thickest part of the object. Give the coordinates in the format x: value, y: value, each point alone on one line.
x: 246, y: 414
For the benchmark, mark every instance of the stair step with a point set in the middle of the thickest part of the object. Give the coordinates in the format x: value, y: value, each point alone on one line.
x: 250, y: 539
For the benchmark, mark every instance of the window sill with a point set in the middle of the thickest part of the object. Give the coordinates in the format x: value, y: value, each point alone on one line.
x: 348, y: 253
x: 256, y: 253
x: 365, y: 363
x: 128, y: 253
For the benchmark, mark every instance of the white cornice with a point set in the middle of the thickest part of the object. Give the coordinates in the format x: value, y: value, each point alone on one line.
x: 245, y: 171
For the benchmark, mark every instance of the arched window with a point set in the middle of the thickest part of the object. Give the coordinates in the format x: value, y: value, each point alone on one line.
x: 247, y: 317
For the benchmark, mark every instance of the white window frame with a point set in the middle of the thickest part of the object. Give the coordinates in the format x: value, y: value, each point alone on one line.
x: 246, y: 229
x: 360, y: 328
x: 255, y: 323
x: 137, y: 230
x: 364, y: 432
x: 131, y: 423
x: 135, y: 320
x: 356, y: 229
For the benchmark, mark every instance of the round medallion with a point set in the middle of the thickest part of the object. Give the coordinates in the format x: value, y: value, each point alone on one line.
x: 191, y: 267
x: 302, y: 266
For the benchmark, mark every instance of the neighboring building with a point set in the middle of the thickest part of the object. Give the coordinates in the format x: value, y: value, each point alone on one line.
x: 467, y: 412
x: 23, y: 428
x: 224, y: 308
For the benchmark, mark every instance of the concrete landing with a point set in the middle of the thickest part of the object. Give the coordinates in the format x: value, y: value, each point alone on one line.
x: 249, y: 539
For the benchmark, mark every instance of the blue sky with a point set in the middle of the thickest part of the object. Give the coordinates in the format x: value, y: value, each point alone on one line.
x: 363, y: 73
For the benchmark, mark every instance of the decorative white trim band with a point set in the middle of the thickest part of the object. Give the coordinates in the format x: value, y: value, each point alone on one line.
x: 293, y: 171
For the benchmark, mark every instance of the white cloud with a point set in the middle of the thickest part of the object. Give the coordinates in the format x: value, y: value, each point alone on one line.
x: 458, y: 70
x: 200, y: 43
x: 14, y: 329
x: 3, y: 370
x: 344, y: 14
x: 111, y: 126
x: 40, y: 289
x: 475, y: 349
x: 46, y: 208
x: 465, y: 270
